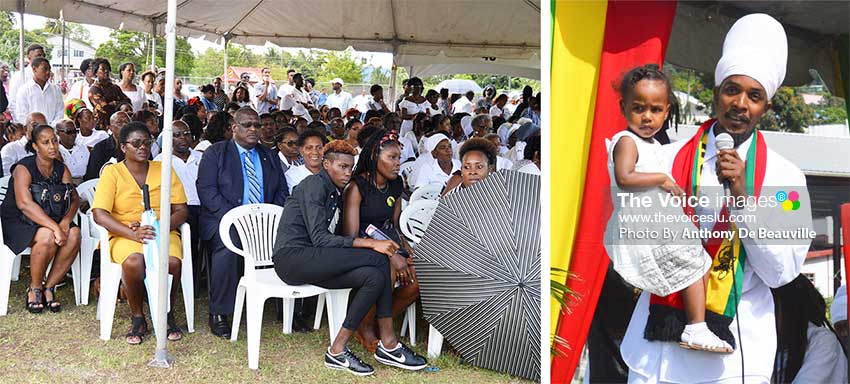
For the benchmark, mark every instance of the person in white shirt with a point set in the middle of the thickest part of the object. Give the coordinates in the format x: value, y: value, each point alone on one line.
x: 413, y: 104
x: 481, y: 125
x: 498, y: 108
x: 442, y: 165
x: 750, y: 70
x: 501, y: 162
x: 361, y: 101
x: 152, y: 98
x: 39, y: 95
x: 266, y: 93
x: 376, y: 103
x: 310, y: 144
x: 88, y: 135
x: 339, y: 99
x: 74, y: 155
x: 22, y: 78
x: 286, y: 90
x: 14, y: 151
x: 464, y: 104
x: 80, y: 89
x: 298, y: 99
x: 134, y: 92
x: 808, y: 349
x: 286, y: 142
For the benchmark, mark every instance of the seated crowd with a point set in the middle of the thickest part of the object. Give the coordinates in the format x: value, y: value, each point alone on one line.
x: 335, y: 170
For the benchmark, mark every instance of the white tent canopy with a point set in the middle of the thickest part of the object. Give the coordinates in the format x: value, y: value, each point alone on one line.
x: 459, y: 32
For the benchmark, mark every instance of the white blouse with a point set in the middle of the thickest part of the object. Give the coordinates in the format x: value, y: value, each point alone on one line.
x: 431, y: 173
x: 137, y: 98
x: 412, y: 109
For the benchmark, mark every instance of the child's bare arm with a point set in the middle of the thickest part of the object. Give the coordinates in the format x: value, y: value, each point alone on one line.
x: 625, y: 158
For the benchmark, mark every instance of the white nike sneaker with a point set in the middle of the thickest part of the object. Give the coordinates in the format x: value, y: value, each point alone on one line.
x: 400, y: 357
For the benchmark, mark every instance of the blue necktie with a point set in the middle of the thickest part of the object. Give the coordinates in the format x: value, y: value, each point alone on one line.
x: 253, y: 184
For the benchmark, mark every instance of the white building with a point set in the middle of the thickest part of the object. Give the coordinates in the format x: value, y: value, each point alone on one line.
x: 75, y: 52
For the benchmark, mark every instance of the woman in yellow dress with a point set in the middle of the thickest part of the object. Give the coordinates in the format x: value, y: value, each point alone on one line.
x: 118, y: 207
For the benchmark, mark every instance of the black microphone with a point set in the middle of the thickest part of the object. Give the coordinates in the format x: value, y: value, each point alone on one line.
x: 724, y: 141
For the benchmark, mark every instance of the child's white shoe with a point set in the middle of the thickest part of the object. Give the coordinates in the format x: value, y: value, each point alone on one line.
x: 699, y: 337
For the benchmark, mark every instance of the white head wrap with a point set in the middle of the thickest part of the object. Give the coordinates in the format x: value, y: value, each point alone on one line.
x: 838, y: 310
x: 433, y: 141
x: 755, y: 46
x: 466, y: 124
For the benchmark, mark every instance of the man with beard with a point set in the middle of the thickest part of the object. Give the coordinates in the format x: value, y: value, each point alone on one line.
x: 751, y: 69
x: 232, y: 173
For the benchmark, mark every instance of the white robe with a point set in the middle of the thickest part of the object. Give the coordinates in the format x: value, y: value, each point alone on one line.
x: 767, y: 265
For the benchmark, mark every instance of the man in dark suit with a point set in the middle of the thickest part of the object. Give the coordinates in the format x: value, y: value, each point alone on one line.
x: 234, y: 173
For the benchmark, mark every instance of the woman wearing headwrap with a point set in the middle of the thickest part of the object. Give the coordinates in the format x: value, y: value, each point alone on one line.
x: 441, y: 165
x: 83, y: 119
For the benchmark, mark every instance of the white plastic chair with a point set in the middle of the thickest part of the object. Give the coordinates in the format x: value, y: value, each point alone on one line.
x: 256, y: 226
x: 89, y: 238
x: 405, y: 170
x: 429, y: 192
x: 110, y: 279
x: 415, y: 219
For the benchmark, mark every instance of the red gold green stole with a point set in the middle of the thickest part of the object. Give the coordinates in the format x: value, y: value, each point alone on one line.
x: 667, y: 318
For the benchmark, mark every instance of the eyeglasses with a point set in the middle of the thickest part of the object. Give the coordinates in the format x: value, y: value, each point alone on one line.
x: 256, y: 125
x: 138, y: 143
x: 70, y: 131
x: 179, y: 134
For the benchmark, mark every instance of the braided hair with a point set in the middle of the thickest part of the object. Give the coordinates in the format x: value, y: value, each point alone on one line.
x: 371, y: 151
x: 650, y: 72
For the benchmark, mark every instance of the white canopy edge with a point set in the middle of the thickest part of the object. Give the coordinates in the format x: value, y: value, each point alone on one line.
x: 424, y: 66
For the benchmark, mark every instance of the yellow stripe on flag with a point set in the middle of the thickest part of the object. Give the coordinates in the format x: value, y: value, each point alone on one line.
x: 577, y: 37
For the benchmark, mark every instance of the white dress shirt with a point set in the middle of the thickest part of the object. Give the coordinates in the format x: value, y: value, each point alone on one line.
x: 463, y: 105
x: 12, y: 152
x: 16, y: 81
x: 188, y: 174
x: 76, y: 159
x: 431, y: 173
x: 295, y: 174
x: 90, y: 140
x: 33, y: 98
x: 341, y: 101
x: 80, y: 90
x: 767, y: 265
x: 285, y: 90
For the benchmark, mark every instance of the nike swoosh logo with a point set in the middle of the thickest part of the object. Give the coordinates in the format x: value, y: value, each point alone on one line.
x: 402, y: 359
x: 345, y: 363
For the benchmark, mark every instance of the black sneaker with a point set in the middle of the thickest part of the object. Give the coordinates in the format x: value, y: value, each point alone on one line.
x: 400, y: 357
x: 347, y: 360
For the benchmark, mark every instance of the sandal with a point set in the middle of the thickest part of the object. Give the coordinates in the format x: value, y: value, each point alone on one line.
x: 174, y: 332
x: 704, y: 340
x: 35, y: 306
x: 137, y: 331
x: 53, y: 305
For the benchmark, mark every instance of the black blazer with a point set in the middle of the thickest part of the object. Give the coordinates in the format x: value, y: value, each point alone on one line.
x: 220, y: 183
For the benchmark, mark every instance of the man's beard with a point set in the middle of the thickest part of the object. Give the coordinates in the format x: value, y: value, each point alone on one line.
x: 738, y: 138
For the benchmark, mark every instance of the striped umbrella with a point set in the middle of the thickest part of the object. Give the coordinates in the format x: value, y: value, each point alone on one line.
x: 479, y: 272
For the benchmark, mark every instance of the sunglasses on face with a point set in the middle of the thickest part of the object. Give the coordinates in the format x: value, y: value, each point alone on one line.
x: 70, y: 131
x: 179, y: 134
x: 138, y: 143
x: 255, y: 125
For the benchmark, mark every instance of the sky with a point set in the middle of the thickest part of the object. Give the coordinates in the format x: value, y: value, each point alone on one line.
x: 101, y: 34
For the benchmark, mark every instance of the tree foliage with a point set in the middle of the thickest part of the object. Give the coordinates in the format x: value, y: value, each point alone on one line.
x: 73, y: 31
x: 789, y: 113
x: 9, y: 50
x: 127, y: 46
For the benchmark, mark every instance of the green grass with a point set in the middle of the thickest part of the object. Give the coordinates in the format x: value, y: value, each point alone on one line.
x: 64, y: 347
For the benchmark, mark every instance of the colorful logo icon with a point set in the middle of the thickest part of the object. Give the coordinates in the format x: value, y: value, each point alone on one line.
x: 790, y: 201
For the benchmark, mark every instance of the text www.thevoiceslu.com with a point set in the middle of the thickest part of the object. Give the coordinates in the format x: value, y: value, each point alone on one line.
x: 659, y: 217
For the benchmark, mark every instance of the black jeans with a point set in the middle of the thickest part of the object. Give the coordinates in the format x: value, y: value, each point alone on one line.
x: 364, y: 270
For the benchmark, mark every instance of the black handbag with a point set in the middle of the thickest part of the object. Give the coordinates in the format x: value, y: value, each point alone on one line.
x: 53, y: 197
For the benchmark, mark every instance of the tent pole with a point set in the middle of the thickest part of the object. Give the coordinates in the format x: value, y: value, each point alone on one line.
x: 153, y: 46
x: 225, y: 40
x: 393, y: 73
x: 161, y: 358
x: 21, y: 10
x: 62, y: 17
